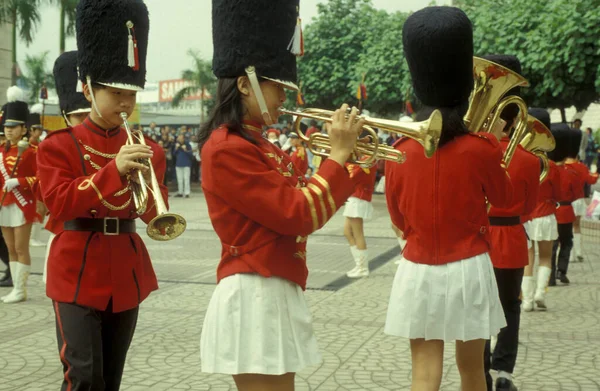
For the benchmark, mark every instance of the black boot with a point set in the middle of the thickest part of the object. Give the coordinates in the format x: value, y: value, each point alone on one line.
x: 503, y: 384
x: 562, y: 277
x: 6, y: 281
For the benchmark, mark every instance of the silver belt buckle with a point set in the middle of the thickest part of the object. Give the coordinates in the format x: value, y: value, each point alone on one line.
x: 111, y: 233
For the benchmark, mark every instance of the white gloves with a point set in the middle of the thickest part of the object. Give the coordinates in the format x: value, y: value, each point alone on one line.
x: 10, y: 184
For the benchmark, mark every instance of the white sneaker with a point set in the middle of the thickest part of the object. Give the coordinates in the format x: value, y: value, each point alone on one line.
x: 358, y: 273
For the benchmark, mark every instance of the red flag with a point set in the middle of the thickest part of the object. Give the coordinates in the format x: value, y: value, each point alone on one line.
x: 361, y: 93
x: 44, y: 93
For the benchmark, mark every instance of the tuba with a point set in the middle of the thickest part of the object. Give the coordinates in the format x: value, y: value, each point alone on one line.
x: 165, y: 226
x: 492, y: 82
x: 427, y: 133
x: 538, y: 140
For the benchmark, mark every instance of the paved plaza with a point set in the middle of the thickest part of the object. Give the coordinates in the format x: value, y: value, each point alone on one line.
x: 559, y: 349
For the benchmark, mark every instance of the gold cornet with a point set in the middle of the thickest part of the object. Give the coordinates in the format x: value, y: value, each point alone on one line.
x: 165, y: 226
x: 427, y: 133
x: 539, y: 140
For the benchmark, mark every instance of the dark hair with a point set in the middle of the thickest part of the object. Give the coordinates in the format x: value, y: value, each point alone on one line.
x: 453, y: 125
x: 228, y: 111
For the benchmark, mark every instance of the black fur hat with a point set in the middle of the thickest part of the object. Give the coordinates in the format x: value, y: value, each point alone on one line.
x: 438, y: 46
x: 35, y: 116
x: 562, y: 135
x: 575, y: 137
x: 16, y: 110
x: 511, y: 62
x: 255, y: 33
x: 66, y: 78
x: 541, y: 114
x: 112, y: 42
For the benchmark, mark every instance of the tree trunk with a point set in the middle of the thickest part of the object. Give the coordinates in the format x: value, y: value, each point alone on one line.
x: 14, y: 46
x: 62, y: 27
x: 563, y: 114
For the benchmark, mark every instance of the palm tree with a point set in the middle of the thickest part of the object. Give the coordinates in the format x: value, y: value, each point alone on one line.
x: 37, y: 76
x: 67, y: 20
x: 201, y: 79
x: 24, y: 16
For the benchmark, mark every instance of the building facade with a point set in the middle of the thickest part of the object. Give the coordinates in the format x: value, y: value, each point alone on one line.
x: 5, y: 60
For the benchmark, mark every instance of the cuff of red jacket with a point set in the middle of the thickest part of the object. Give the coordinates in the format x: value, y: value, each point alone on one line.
x: 336, y: 181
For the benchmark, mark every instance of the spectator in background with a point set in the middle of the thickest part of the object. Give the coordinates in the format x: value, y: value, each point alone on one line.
x: 167, y: 145
x: 584, y: 139
x: 196, y: 153
x: 283, y: 137
x: 154, y: 131
x: 592, y: 148
x: 184, y: 158
x: 312, y: 129
x: 273, y: 136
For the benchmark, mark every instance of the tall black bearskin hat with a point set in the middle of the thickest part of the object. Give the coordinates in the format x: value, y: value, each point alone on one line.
x: 542, y: 115
x: 562, y: 135
x: 438, y: 46
x: 257, y: 33
x: 575, y: 137
x: 66, y: 78
x: 16, y: 111
x: 511, y: 62
x: 35, y: 116
x: 112, y: 42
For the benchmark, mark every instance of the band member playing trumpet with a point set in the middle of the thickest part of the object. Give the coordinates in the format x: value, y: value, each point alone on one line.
x: 444, y: 289
x: 509, y: 249
x: 261, y: 206
x: 542, y: 230
x: 17, y: 169
x: 99, y: 270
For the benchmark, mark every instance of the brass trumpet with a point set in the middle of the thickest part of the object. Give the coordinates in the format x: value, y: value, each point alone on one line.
x: 165, y: 226
x: 492, y: 82
x: 539, y: 140
x: 427, y: 133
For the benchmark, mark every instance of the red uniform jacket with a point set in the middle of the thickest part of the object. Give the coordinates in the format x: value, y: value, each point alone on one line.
x: 23, y: 195
x: 261, y: 208
x: 440, y: 203
x: 548, y: 195
x: 80, y: 179
x: 571, y: 189
x: 300, y: 159
x: 365, y: 186
x: 584, y: 174
x: 509, y: 243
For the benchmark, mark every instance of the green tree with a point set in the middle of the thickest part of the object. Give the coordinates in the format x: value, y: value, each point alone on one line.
x: 37, y: 76
x: 556, y: 42
x: 67, y: 9
x: 334, y: 43
x: 24, y: 16
x: 202, y: 81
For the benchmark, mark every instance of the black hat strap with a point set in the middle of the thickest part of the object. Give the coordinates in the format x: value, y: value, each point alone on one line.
x: 260, y: 99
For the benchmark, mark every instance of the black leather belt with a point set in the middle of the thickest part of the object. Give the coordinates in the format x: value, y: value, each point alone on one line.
x: 107, y: 226
x: 505, y: 221
x: 564, y: 203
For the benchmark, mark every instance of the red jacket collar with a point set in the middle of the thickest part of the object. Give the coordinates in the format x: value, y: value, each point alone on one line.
x: 92, y: 126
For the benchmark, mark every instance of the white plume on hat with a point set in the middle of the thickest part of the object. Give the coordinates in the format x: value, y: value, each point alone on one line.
x: 36, y: 108
x: 15, y: 94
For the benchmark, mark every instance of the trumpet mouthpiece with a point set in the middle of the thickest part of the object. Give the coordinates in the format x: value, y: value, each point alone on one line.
x: 124, y: 115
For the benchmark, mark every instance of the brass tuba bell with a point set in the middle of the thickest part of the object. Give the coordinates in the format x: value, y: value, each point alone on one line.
x: 539, y: 140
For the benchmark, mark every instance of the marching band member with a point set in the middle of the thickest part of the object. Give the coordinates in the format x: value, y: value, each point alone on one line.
x: 74, y: 108
x: 298, y: 153
x: 542, y: 230
x: 99, y: 270
x: 571, y: 189
x: 444, y: 289
x: 579, y: 205
x: 358, y: 208
x: 35, y: 127
x: 18, y: 207
x: 258, y: 326
x: 509, y: 247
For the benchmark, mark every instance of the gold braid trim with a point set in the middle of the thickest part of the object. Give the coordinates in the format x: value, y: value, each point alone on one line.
x: 92, y: 150
x: 86, y: 184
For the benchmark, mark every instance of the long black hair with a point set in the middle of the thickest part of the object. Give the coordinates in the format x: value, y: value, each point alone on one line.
x: 453, y: 125
x: 228, y: 111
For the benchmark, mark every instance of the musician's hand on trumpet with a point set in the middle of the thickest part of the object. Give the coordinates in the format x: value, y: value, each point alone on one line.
x: 343, y: 133
x: 128, y: 158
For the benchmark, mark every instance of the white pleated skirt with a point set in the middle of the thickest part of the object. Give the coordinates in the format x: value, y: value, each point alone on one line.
x: 457, y: 301
x: 543, y: 229
x: 579, y: 207
x: 11, y: 216
x: 257, y: 325
x: 527, y: 228
x: 357, y: 208
x: 50, y: 239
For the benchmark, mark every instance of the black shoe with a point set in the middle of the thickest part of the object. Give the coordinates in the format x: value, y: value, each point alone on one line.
x: 187, y: 196
x: 562, y: 277
x: 552, y: 282
x: 6, y: 281
x: 503, y: 384
x: 179, y: 195
x: 579, y: 258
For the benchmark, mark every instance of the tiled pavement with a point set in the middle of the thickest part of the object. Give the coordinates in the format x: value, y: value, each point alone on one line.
x: 559, y: 349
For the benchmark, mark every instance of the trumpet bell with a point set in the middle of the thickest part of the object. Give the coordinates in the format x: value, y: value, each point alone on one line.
x: 166, y: 226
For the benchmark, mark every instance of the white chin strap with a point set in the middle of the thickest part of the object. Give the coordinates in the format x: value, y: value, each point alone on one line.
x: 66, y: 119
x: 260, y: 99
x: 89, y: 84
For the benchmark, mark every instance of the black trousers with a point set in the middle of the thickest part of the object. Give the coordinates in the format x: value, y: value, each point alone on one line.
x: 565, y: 241
x: 3, y: 251
x: 504, y: 356
x: 93, y: 345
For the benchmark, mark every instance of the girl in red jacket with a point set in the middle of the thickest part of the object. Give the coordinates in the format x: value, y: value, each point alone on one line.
x: 258, y: 327
x: 444, y: 289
